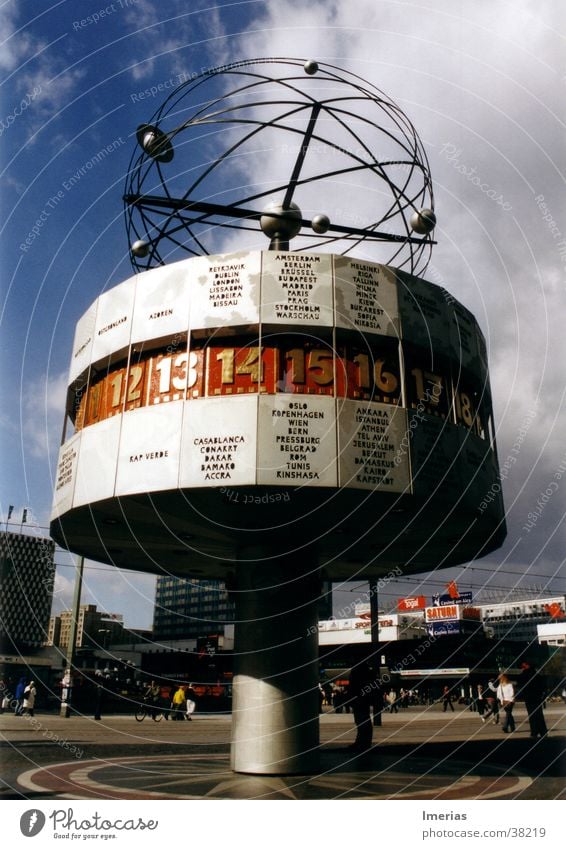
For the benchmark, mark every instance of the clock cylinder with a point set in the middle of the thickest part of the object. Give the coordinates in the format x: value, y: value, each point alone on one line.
x: 299, y: 396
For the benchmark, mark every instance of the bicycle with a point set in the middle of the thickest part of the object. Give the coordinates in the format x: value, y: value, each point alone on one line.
x: 145, y: 709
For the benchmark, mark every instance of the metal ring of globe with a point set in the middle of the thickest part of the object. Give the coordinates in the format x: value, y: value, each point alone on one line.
x: 335, y: 144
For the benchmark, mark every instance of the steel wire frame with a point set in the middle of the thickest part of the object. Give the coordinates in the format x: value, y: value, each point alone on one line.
x: 170, y: 224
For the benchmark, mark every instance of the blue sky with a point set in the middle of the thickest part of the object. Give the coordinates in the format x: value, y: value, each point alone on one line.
x: 485, y: 86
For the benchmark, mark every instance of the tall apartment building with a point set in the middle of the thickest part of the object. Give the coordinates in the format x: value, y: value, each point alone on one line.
x: 188, y: 609
x: 27, y: 572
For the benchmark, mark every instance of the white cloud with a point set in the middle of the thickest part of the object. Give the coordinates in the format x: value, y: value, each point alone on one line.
x: 488, y: 80
x: 111, y: 590
x: 120, y: 591
x: 43, y: 405
x: 63, y: 589
x: 16, y: 46
x: 171, y: 32
x: 484, y: 87
x: 39, y: 70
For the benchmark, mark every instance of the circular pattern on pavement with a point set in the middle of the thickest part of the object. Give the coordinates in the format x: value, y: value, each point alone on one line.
x: 209, y: 776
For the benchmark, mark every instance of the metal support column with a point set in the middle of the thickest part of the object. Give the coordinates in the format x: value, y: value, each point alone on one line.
x: 275, y: 711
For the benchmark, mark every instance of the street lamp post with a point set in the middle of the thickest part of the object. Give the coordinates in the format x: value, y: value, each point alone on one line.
x: 374, y: 619
x: 67, y: 691
x: 104, y: 631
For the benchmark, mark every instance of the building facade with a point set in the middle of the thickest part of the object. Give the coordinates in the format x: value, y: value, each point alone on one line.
x: 192, y: 609
x: 553, y: 634
x: 95, y: 629
x: 188, y: 609
x: 27, y: 572
x: 531, y: 620
x: 519, y: 619
x: 393, y: 627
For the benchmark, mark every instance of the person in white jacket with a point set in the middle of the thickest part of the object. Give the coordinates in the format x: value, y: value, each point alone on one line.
x: 29, y: 698
x: 506, y: 698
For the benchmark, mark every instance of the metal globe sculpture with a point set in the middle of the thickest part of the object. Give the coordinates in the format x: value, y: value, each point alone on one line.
x: 231, y: 142
x: 277, y: 398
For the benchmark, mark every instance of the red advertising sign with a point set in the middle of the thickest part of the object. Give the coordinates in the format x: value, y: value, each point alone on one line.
x: 414, y: 602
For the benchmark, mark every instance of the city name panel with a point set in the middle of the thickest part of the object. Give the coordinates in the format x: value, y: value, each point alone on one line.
x: 347, y: 400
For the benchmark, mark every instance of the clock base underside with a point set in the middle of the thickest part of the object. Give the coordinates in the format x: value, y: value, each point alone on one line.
x: 201, y: 532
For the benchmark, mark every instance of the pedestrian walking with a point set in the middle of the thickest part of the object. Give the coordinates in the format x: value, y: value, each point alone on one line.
x: 360, y: 695
x: 447, y: 700
x: 492, y: 705
x: 5, y: 694
x: 506, y: 698
x: 191, y: 702
x: 338, y: 699
x: 30, y: 693
x: 480, y: 700
x: 530, y: 687
x: 167, y: 703
x: 152, y: 696
x: 19, y: 696
x: 378, y: 703
x: 179, y: 703
x: 392, y: 702
x: 98, y: 694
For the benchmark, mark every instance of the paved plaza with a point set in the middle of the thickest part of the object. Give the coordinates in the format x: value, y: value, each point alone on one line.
x: 418, y: 754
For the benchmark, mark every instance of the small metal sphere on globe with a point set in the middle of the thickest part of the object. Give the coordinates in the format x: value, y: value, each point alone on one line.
x: 311, y: 67
x: 154, y: 142
x: 149, y: 141
x: 140, y: 248
x: 320, y: 223
x: 423, y: 222
x: 284, y: 224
